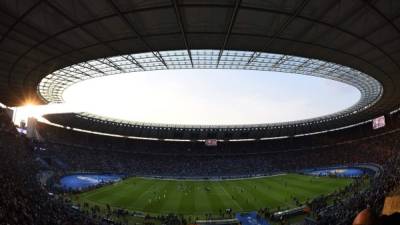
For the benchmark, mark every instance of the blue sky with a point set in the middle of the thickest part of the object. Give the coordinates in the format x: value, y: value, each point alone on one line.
x: 208, y: 97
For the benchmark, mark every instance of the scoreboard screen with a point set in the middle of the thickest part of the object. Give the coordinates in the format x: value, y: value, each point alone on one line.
x: 211, y: 142
x: 378, y: 122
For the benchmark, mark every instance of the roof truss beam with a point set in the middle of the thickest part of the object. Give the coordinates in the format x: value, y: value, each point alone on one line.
x: 288, y: 21
x: 229, y: 31
x: 130, y: 25
x: 110, y: 63
x: 133, y: 60
x: 182, y: 28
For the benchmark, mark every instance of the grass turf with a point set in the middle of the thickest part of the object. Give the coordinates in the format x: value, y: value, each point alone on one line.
x: 190, y: 197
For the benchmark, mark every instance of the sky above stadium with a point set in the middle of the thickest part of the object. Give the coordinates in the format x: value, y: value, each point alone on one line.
x: 205, y: 97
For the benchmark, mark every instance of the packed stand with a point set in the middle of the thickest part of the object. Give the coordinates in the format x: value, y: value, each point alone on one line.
x: 22, y: 200
x: 72, y: 157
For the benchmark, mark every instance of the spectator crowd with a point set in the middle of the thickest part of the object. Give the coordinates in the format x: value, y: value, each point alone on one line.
x: 24, y: 201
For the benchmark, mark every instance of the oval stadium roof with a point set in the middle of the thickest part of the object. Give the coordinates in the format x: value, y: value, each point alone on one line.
x: 40, y: 37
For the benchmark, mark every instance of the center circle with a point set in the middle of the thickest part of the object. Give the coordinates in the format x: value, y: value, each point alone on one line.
x: 211, y: 96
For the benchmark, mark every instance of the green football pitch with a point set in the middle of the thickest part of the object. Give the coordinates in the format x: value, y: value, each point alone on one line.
x: 191, y: 197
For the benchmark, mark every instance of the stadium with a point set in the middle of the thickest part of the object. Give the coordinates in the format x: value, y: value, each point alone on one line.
x: 304, y: 153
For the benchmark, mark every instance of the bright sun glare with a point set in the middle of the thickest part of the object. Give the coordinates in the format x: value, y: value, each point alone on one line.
x: 206, y: 96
